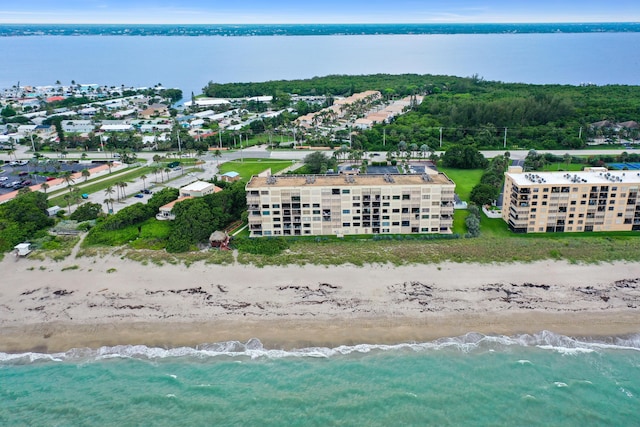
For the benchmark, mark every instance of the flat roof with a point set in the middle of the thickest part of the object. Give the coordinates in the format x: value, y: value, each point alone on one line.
x: 197, y: 186
x: 599, y: 176
x: 347, y: 180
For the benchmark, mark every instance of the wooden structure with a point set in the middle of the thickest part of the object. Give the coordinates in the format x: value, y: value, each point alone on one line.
x: 219, y: 239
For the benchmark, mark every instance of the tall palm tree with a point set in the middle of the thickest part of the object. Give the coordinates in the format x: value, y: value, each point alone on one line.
x: 67, y: 176
x: 109, y: 191
x: 167, y: 170
x: 44, y: 186
x: 110, y: 163
x: 122, y: 185
x: 144, y: 182
x: 107, y: 202
x: 85, y: 173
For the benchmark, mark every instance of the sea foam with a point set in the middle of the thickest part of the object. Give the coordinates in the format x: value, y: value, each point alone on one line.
x: 254, y: 349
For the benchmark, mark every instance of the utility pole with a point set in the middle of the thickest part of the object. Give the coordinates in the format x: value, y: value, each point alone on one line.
x: 220, y: 139
x: 384, y: 137
x: 580, y: 133
x: 505, y: 137
x: 440, y: 137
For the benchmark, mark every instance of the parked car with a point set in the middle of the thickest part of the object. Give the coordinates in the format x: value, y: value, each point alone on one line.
x: 3, y: 178
x: 146, y: 191
x: 85, y: 196
x: 23, y: 173
x: 50, y: 178
x: 27, y: 182
x: 139, y: 195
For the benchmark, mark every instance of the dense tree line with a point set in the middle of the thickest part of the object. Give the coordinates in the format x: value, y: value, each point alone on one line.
x: 491, y: 182
x: 197, y: 218
x: 339, y: 85
x: 470, y: 110
x: 131, y: 215
x: 22, y: 218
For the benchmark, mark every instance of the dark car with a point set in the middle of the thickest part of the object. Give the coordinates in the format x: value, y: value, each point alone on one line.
x: 139, y: 195
x: 145, y: 191
x: 27, y: 182
x: 23, y: 173
x: 50, y: 178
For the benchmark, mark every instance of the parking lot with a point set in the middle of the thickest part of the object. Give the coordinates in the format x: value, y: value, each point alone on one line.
x: 17, y: 175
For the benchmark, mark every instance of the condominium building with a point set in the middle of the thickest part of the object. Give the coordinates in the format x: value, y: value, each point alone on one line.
x: 348, y: 204
x: 595, y: 199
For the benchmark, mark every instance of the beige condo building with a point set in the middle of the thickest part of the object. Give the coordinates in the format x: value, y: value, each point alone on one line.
x: 595, y: 199
x: 292, y: 205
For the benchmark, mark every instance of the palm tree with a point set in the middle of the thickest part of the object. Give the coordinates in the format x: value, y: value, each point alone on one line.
x: 107, y: 202
x: 44, y: 186
x: 122, y: 185
x: 424, y: 149
x: 67, y: 198
x: 167, y: 170
x: 68, y: 179
x: 109, y: 191
x: 85, y: 173
x: 110, y: 163
x: 144, y: 182
x: 217, y: 154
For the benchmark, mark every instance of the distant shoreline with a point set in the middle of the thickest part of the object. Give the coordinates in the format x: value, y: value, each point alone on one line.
x: 243, y: 30
x: 49, y: 307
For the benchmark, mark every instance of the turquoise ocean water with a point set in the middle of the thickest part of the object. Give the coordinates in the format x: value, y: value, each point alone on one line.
x: 541, y: 379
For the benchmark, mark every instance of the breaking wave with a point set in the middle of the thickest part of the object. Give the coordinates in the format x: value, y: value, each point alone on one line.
x: 254, y: 349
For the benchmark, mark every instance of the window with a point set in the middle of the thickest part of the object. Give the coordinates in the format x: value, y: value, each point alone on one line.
x: 276, y: 206
x: 346, y: 224
x: 346, y: 191
x: 406, y: 197
x: 396, y: 197
x: 265, y: 212
x: 405, y: 223
x: 346, y: 211
x: 335, y: 191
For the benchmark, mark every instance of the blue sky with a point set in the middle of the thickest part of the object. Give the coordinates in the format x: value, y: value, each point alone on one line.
x: 318, y: 11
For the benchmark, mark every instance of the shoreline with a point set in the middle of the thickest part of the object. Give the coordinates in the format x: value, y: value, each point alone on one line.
x: 290, y: 335
x: 49, y: 307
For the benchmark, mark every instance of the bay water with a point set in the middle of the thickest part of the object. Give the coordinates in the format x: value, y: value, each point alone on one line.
x: 189, y: 63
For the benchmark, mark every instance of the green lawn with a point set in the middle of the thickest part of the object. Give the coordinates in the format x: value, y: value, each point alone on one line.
x: 89, y: 187
x: 555, y: 167
x: 249, y: 167
x: 465, y: 179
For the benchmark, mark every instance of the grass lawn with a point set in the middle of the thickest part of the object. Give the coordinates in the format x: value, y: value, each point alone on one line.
x: 88, y: 187
x: 555, y: 167
x: 465, y: 179
x: 250, y: 167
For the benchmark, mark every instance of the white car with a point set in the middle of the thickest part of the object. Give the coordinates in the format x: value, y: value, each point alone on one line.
x: 3, y: 178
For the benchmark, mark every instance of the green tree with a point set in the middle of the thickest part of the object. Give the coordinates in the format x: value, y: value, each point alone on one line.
x: 318, y: 163
x: 86, y: 211
x: 483, y: 194
x: 464, y: 157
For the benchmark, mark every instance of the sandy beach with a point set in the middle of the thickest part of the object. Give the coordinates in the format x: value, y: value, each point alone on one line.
x: 49, y: 306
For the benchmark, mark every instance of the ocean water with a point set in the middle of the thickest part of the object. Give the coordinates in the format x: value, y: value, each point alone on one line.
x: 543, y: 379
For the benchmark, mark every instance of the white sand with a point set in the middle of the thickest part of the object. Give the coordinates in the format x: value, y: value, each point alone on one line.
x: 47, y: 308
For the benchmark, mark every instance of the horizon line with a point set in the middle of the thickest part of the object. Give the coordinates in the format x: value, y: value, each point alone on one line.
x: 324, y: 23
